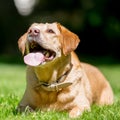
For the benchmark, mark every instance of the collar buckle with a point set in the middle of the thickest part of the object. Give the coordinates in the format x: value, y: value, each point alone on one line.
x: 56, y: 86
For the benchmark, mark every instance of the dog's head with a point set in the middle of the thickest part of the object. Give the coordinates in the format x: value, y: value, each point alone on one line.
x: 46, y: 42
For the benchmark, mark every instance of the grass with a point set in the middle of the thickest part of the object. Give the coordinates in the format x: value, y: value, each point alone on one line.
x: 12, y: 86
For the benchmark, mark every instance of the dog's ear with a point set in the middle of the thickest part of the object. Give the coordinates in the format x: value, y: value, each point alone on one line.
x: 69, y: 40
x: 21, y: 43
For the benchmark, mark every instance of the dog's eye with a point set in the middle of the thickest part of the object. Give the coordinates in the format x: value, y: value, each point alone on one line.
x: 50, y: 31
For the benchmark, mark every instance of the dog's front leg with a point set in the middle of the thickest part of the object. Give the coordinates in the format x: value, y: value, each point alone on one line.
x: 30, y: 97
x: 80, y: 104
x: 75, y: 96
x: 24, y: 105
x: 75, y: 100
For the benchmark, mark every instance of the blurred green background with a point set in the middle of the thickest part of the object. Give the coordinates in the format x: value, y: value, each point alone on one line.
x: 96, y: 22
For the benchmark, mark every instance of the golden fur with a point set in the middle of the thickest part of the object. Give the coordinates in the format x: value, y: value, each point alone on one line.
x: 88, y: 83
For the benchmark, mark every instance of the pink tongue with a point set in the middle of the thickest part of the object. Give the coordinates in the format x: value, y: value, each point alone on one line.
x: 34, y: 59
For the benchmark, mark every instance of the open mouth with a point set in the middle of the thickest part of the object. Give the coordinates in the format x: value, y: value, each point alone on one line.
x: 37, y: 55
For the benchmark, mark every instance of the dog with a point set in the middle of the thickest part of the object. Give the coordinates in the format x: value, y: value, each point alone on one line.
x: 56, y: 79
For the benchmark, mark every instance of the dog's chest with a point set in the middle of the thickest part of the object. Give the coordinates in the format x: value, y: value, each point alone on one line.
x: 47, y: 98
x: 51, y: 71
x: 52, y: 101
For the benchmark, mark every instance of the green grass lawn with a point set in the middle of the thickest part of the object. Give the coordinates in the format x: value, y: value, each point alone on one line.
x: 12, y: 86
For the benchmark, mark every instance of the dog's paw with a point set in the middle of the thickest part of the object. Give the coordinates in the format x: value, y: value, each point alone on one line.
x: 75, y: 112
x: 26, y: 109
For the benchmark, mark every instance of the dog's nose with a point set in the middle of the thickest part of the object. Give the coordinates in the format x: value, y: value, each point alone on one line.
x: 33, y: 31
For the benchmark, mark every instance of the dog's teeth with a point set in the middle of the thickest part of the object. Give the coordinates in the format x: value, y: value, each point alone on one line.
x: 47, y: 54
x: 44, y: 52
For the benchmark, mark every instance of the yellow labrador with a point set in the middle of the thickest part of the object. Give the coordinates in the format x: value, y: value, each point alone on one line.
x: 56, y: 79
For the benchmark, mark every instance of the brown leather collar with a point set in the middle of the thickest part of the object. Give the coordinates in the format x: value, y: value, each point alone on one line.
x: 56, y: 86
